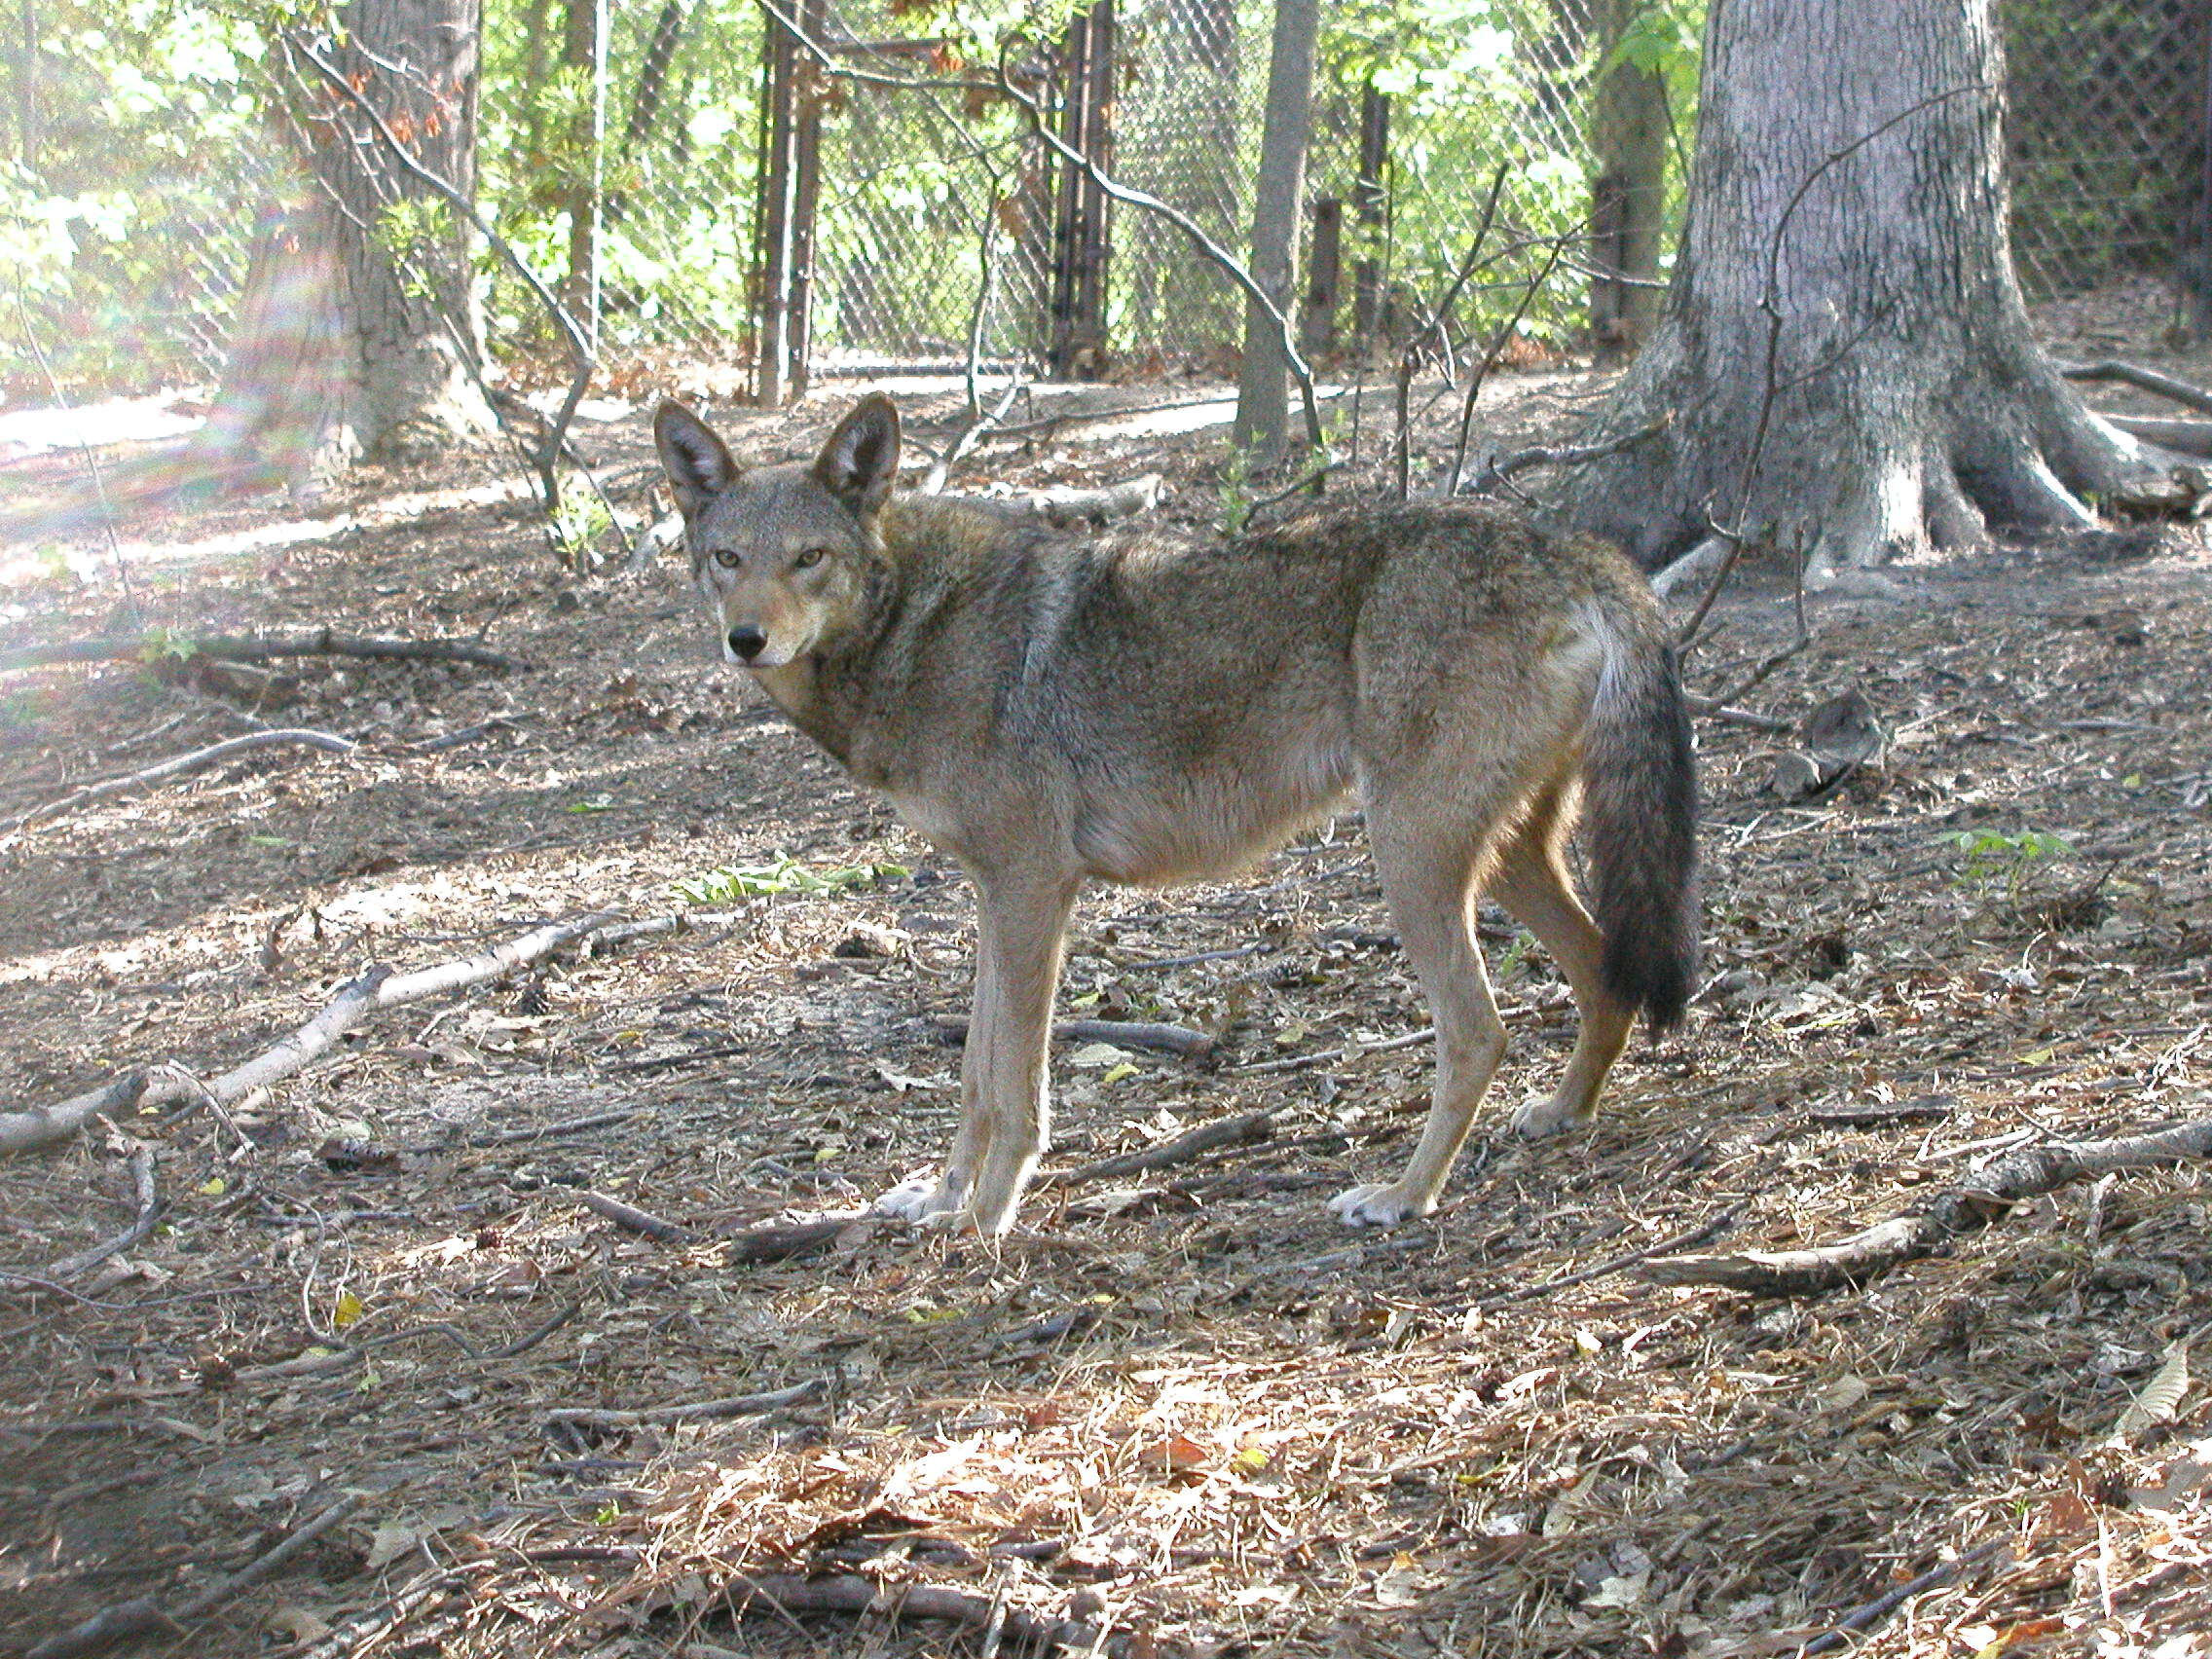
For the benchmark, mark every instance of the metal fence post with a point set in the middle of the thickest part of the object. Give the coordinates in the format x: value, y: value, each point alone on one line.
x: 1077, y: 340
x: 791, y: 173
x: 1370, y: 203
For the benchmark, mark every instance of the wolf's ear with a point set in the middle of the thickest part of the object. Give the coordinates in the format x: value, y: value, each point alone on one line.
x: 699, y: 464
x: 860, y: 463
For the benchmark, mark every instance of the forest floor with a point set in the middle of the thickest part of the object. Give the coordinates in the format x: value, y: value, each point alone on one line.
x: 1183, y: 1408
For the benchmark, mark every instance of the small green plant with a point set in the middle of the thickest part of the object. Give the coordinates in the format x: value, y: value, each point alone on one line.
x: 579, y: 521
x: 1236, y: 494
x: 1988, y: 858
x: 161, y: 644
x: 728, y: 883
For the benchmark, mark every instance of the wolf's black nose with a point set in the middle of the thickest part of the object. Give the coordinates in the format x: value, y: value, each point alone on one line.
x: 748, y: 641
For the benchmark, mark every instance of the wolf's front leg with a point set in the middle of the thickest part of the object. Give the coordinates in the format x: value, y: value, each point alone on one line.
x: 1023, y: 922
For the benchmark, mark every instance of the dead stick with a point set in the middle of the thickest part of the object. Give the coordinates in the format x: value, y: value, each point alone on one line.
x: 146, y: 1616
x: 2027, y: 1173
x: 2145, y: 380
x: 699, y: 1411
x: 253, y: 647
x: 782, y: 1243
x: 144, y: 1183
x: 1222, y: 1131
x: 1696, y: 1235
x: 1127, y: 1034
x: 790, y: 1593
x: 634, y: 1219
x: 1883, y: 1605
x: 1499, y: 470
x: 374, y: 991
x: 178, y: 765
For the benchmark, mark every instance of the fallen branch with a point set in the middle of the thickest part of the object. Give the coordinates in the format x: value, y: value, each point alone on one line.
x: 259, y: 646
x: 1063, y: 504
x: 1222, y: 1131
x: 1890, y: 1600
x: 147, y: 1188
x: 146, y: 1616
x: 782, y: 1243
x: 1499, y: 469
x: 699, y: 1411
x: 634, y: 1220
x: 1695, y: 1235
x: 373, y: 992
x: 2145, y: 380
x: 178, y: 765
x: 1121, y: 1033
x: 791, y: 1594
x: 2026, y: 1172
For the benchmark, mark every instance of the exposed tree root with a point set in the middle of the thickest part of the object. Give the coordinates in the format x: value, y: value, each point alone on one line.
x: 2026, y: 1173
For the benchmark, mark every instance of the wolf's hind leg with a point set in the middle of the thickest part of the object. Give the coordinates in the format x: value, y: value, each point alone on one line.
x: 1428, y: 878
x: 1531, y: 882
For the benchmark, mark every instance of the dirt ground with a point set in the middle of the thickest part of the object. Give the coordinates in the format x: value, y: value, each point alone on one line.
x: 1182, y: 1408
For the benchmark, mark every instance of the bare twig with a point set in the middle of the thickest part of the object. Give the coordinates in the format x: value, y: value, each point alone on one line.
x: 2145, y: 380
x: 1178, y: 1040
x: 146, y: 1187
x: 1239, y: 1131
x: 1499, y: 342
x: 636, y: 1220
x: 1689, y: 1239
x: 179, y: 766
x: 1436, y: 320
x: 1890, y: 1600
x: 789, y: 1593
x: 262, y: 647
x: 1500, y: 469
x: 2026, y: 1172
x: 1220, y: 257
x: 699, y: 1411
x: 373, y: 992
x: 782, y: 1242
x: 146, y: 1616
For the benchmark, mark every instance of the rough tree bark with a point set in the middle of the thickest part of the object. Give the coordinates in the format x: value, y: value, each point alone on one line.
x: 1262, y: 393
x: 337, y: 352
x: 1628, y: 187
x: 1912, y: 407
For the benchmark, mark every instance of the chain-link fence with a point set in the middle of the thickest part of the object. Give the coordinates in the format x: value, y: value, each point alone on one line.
x: 128, y: 218
x: 2107, y: 139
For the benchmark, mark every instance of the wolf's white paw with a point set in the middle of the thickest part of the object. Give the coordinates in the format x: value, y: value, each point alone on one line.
x: 1376, y: 1204
x: 925, y: 1197
x: 1541, y: 1119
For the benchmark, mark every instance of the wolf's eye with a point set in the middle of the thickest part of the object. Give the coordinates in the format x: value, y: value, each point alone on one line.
x: 729, y: 558
x: 806, y: 560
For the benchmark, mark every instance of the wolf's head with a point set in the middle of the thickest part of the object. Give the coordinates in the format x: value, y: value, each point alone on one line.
x: 783, y: 553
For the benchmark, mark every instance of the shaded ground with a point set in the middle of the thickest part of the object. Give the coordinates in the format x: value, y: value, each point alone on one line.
x: 1187, y: 1406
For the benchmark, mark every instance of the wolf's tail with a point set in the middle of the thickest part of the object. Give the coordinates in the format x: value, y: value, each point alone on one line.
x: 1640, y: 804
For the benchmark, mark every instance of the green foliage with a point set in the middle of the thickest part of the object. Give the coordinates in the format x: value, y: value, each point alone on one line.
x: 1992, y: 858
x: 728, y: 883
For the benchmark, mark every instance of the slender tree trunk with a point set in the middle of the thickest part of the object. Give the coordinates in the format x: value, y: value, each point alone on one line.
x: 1628, y: 189
x: 1263, y: 393
x: 1908, y: 405
x: 358, y: 332
x: 584, y: 48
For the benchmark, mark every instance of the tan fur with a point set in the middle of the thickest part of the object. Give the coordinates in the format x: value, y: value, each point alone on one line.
x: 1051, y: 712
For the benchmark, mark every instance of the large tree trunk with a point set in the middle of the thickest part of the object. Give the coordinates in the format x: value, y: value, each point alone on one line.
x: 358, y: 332
x: 1910, y: 406
x: 1628, y: 188
x: 1262, y: 394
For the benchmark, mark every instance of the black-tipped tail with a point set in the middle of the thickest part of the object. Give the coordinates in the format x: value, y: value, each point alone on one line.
x: 1640, y: 804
